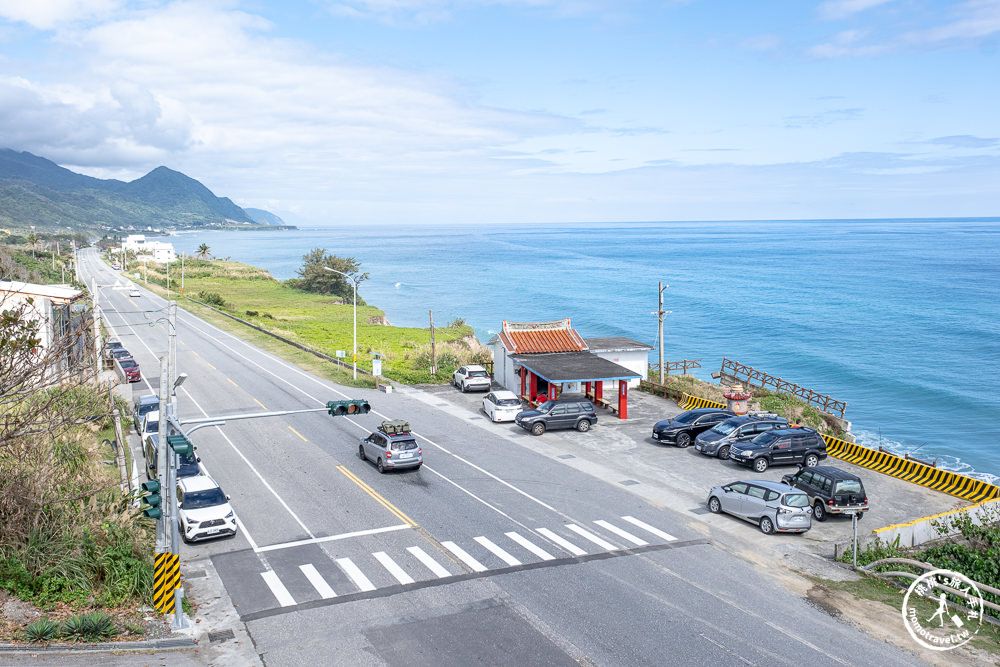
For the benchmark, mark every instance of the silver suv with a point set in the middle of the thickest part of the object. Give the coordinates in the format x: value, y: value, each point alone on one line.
x: 773, y: 506
x: 717, y: 440
x: 392, y: 446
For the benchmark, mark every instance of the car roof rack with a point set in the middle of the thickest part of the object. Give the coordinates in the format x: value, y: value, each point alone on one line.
x: 764, y: 414
x: 395, y: 426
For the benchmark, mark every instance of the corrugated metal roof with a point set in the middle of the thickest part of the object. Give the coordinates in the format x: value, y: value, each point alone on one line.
x: 62, y: 293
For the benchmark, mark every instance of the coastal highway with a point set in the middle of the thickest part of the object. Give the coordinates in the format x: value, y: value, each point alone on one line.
x: 490, y: 554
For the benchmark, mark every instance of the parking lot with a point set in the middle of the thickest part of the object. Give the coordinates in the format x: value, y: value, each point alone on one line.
x: 622, y: 452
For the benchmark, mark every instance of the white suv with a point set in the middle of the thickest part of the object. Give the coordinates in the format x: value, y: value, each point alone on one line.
x: 472, y: 376
x: 203, y: 509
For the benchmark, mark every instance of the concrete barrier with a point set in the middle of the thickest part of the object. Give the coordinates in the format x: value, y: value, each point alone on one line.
x: 929, y: 528
x: 910, y: 470
x: 689, y: 402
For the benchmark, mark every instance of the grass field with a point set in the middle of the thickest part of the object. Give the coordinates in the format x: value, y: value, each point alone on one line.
x: 321, y: 322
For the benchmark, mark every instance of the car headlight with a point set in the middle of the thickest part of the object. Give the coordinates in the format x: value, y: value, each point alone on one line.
x: 230, y: 515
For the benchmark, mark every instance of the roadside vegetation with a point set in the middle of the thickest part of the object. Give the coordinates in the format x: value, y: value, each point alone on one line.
x: 321, y: 319
x: 785, y: 405
x: 75, y: 559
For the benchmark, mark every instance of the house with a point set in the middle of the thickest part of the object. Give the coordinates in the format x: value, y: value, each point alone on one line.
x: 533, y: 358
x: 64, y: 319
x: 156, y: 251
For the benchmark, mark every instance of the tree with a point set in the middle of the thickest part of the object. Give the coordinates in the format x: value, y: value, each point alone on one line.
x: 314, y: 277
x: 33, y: 239
x: 203, y: 251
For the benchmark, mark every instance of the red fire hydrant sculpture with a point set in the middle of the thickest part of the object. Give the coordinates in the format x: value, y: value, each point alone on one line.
x: 736, y: 399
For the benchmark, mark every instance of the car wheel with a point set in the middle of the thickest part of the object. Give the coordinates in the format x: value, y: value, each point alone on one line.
x: 714, y: 506
x: 583, y: 426
x: 361, y: 453
x: 465, y: 389
x: 538, y: 428
x: 381, y: 468
x: 812, y: 461
x: 184, y: 535
x: 819, y: 512
x: 724, y: 452
x: 766, y: 525
x: 760, y: 463
x: 683, y: 439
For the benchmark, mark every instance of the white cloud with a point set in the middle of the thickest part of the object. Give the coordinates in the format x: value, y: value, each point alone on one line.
x: 49, y: 14
x: 430, y: 11
x: 835, y: 10
x: 973, y: 21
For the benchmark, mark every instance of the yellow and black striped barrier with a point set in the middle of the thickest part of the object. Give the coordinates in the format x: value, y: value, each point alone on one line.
x: 945, y: 481
x: 166, y: 578
x: 689, y: 402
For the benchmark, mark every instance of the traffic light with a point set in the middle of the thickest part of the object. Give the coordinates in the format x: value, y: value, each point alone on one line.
x: 181, y: 445
x: 151, y: 509
x: 352, y: 407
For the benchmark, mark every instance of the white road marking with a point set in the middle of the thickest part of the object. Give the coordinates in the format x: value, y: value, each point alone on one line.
x: 429, y: 562
x: 465, y: 557
x: 586, y: 534
x: 564, y: 543
x: 281, y: 593
x: 638, y: 541
x: 498, y: 551
x: 394, y: 569
x: 355, y: 574
x: 650, y: 529
x: 332, y: 538
x: 317, y: 580
x: 533, y: 548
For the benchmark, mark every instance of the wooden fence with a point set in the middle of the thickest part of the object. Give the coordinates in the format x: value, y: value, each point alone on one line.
x: 668, y: 366
x: 754, y: 377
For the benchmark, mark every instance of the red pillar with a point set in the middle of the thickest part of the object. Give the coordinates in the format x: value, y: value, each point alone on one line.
x: 552, y: 391
x: 622, y: 399
x: 522, y: 381
x: 599, y: 390
x: 587, y: 390
x: 533, y: 387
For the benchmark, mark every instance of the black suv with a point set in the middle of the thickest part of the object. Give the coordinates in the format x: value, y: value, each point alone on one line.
x: 830, y: 490
x: 717, y: 440
x: 567, y: 411
x: 781, y: 446
x: 683, y: 428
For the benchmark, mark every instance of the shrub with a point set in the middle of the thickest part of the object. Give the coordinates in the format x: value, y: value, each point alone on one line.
x: 97, y: 625
x: 41, y: 630
x: 213, y: 299
x: 73, y: 628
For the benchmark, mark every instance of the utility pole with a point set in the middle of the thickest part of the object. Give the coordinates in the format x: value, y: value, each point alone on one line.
x: 162, y: 454
x: 97, y: 327
x: 182, y: 294
x: 434, y: 358
x: 659, y: 314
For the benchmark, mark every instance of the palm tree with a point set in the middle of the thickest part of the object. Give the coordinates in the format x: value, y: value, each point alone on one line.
x: 33, y: 240
x: 203, y: 251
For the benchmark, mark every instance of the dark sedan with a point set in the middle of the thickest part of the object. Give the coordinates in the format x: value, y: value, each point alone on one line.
x: 683, y: 428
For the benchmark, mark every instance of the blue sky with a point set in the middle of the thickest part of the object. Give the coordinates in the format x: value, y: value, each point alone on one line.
x: 348, y: 111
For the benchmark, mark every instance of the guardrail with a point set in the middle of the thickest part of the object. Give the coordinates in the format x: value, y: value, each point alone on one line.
x: 681, y: 366
x: 911, y: 470
x: 689, y: 402
x: 754, y: 377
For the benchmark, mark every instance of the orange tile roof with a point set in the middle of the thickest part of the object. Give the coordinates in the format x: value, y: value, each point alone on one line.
x: 541, y: 337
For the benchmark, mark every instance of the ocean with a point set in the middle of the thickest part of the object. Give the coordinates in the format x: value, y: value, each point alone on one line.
x: 898, y: 318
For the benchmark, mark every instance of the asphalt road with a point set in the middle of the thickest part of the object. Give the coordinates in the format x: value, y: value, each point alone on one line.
x: 492, y: 553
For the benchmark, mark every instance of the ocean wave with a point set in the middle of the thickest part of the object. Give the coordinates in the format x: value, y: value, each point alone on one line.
x: 947, y: 462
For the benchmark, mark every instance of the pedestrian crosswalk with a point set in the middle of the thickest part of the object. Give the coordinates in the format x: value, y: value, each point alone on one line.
x: 480, y: 554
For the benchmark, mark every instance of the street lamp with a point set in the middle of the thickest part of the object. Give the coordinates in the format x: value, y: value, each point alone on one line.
x: 354, y: 283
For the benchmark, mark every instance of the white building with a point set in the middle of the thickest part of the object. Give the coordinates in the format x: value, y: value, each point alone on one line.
x: 156, y: 251
x: 62, y: 313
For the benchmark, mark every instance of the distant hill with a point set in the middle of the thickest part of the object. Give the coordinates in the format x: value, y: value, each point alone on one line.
x: 36, y: 191
x: 264, y: 217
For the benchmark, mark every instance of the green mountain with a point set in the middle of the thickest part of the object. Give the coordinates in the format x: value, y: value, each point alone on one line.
x: 264, y: 217
x: 36, y: 191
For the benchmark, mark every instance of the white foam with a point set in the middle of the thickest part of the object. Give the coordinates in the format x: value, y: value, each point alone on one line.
x: 944, y: 461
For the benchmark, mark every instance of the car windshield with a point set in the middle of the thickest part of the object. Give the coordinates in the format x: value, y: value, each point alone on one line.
x: 765, y: 438
x: 509, y: 402
x: 848, y: 486
x: 152, y: 427
x: 187, y: 466
x: 795, y: 500
x: 146, y: 409
x: 403, y: 445
x: 196, y: 500
x: 546, y: 406
x: 478, y: 374
x: 725, y: 428
x: 128, y: 363
x: 686, y: 418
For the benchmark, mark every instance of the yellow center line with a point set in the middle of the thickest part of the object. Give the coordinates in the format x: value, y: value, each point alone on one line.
x: 234, y: 384
x: 297, y: 433
x: 213, y: 368
x: 195, y: 353
x: 260, y: 404
x: 399, y: 514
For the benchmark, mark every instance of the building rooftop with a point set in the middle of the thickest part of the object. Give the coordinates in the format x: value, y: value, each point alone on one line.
x: 615, y: 344
x: 58, y: 293
x: 540, y: 337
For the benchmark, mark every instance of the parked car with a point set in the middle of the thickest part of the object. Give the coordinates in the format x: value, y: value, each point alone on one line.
x: 129, y: 370
x: 203, y: 510
x: 150, y: 423
x: 830, y: 490
x: 120, y: 353
x: 683, y: 428
x: 187, y: 464
x: 471, y: 377
x: 141, y: 406
x: 773, y: 506
x: 784, y: 446
x: 134, y: 292
x: 567, y: 411
x: 501, y: 406
x: 717, y: 440
x: 110, y: 347
x: 392, y: 447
